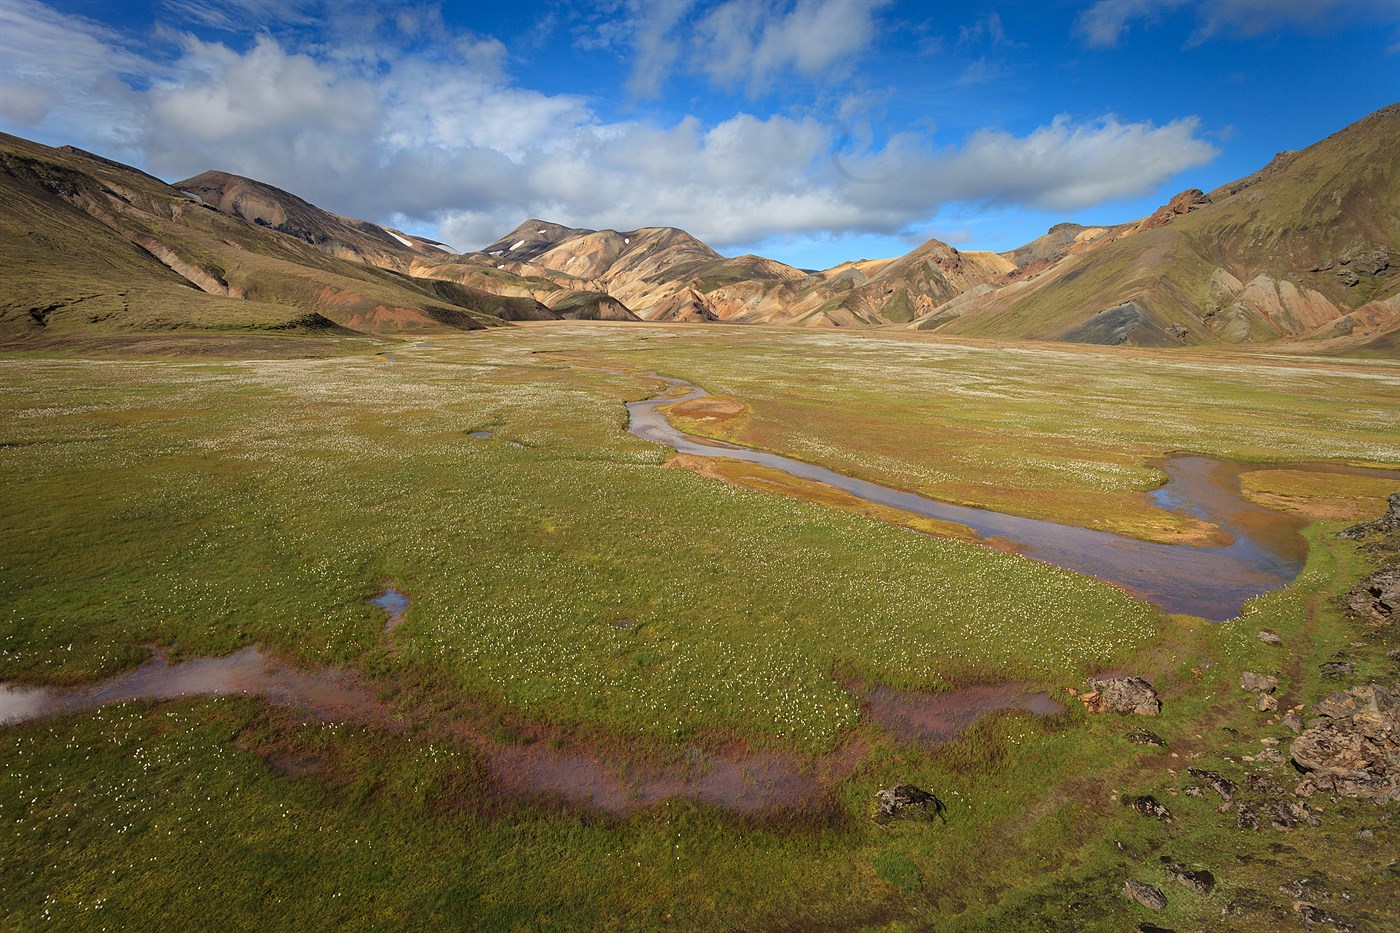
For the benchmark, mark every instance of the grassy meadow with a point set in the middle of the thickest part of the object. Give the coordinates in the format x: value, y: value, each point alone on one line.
x: 565, y: 579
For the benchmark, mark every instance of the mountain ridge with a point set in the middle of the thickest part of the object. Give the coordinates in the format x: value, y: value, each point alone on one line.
x: 1300, y: 250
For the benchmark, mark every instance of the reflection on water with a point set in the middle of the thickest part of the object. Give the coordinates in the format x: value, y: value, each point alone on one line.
x: 328, y: 695
x: 394, y: 604
x: 1208, y: 581
x: 938, y: 717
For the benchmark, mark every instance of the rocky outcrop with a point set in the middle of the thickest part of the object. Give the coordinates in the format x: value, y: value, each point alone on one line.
x: 1352, y: 747
x: 1258, y: 683
x: 1376, y: 599
x: 906, y: 800
x: 1184, y: 203
x: 1387, y: 523
x: 1121, y: 695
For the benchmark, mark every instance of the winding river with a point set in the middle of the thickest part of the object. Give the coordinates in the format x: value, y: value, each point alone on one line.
x: 1212, y: 582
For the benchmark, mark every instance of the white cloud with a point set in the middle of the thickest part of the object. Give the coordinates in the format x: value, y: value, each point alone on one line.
x: 1102, y: 25
x: 743, y: 43
x: 1244, y: 19
x: 369, y: 128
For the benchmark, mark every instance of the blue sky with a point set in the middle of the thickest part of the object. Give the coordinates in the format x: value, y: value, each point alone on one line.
x: 812, y: 131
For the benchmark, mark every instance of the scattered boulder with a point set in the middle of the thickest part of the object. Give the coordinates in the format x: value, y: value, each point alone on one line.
x: 1265, y: 704
x: 1200, y: 882
x: 904, y: 800
x: 1121, y: 695
x: 1390, y: 521
x: 1337, y: 669
x: 1269, y: 637
x: 1147, y: 805
x: 1247, y: 818
x: 1376, y: 599
x: 1145, y: 894
x: 1348, y: 278
x: 1311, y: 914
x: 1258, y: 683
x: 1352, y: 748
x: 1221, y: 784
x: 1292, y: 721
x: 1143, y: 737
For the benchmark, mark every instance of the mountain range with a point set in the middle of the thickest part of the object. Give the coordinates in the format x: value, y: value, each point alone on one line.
x: 1305, y: 251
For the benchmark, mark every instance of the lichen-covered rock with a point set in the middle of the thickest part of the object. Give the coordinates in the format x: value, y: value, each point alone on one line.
x: 1221, y: 784
x: 1145, y: 894
x: 1148, y: 805
x: 1269, y: 637
x: 1200, y: 882
x: 1337, y: 669
x: 1292, y: 721
x: 1121, y: 695
x: 1376, y: 599
x: 1353, y: 746
x: 904, y: 800
x: 1258, y: 683
x: 1265, y: 704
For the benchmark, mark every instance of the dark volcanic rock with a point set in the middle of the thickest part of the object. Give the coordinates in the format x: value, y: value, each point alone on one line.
x: 1145, y: 894
x: 1337, y: 669
x: 1122, y: 695
x: 1390, y: 521
x: 1146, y: 738
x: 1201, y: 882
x: 904, y: 799
x: 1221, y: 784
x: 1148, y: 805
x: 1247, y: 818
x: 1258, y: 683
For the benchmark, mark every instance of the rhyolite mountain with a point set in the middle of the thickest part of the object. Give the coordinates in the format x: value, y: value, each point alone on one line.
x: 1307, y: 247
x: 1307, y: 250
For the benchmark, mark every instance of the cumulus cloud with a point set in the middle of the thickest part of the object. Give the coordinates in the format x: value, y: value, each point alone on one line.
x: 737, y: 44
x: 377, y: 127
x: 742, y: 43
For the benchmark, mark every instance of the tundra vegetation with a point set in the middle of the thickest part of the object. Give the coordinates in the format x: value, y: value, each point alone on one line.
x: 574, y: 588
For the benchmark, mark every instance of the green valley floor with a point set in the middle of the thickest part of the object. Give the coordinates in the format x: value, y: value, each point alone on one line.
x: 585, y: 606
